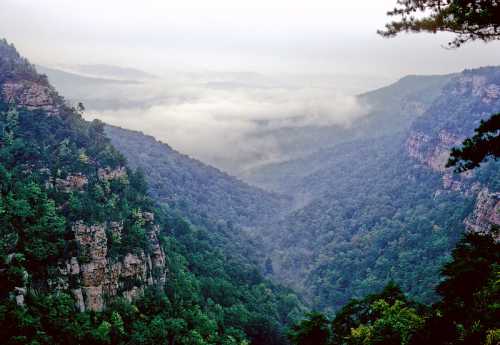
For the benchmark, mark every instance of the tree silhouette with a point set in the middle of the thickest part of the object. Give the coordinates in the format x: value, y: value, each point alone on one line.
x: 470, y: 20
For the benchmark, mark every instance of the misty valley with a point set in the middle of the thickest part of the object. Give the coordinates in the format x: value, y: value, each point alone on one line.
x: 250, y: 205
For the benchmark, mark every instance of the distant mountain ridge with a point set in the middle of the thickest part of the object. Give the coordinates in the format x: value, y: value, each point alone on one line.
x: 111, y: 71
x: 392, y: 110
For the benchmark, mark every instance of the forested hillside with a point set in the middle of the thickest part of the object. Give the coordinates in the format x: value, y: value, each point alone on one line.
x: 391, y: 110
x: 383, y: 207
x: 197, y: 190
x: 466, y: 313
x: 87, y: 257
x: 370, y: 203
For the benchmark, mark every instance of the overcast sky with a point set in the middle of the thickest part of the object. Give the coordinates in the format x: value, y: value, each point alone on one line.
x: 309, y: 36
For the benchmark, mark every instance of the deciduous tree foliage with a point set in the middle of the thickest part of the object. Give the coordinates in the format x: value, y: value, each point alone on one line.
x: 210, y: 297
x: 467, y: 314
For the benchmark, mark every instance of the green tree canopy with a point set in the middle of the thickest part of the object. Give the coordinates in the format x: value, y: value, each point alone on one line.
x: 314, y: 330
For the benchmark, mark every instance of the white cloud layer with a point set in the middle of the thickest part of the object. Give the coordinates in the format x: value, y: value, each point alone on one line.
x: 228, y: 122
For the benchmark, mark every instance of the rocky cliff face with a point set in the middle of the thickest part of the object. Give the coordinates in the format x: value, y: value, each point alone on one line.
x: 468, y: 98
x: 486, y: 212
x: 20, y: 84
x: 94, y: 277
x: 432, y: 151
x: 88, y: 270
x: 32, y: 94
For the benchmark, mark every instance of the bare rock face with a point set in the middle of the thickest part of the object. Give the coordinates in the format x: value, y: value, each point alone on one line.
x: 486, y: 212
x: 19, y: 293
x: 71, y: 183
x: 31, y: 95
x: 432, y: 152
x: 479, y: 86
x: 94, y: 278
x: 106, y: 174
x: 88, y: 269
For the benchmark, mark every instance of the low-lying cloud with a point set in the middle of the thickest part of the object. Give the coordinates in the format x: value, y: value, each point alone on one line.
x: 233, y: 121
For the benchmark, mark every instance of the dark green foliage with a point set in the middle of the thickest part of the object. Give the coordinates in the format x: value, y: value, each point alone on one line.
x: 30, y: 224
x: 312, y: 331
x: 387, y: 318
x: 377, y: 219
x: 469, y: 310
x: 53, y: 174
x: 469, y: 19
x: 37, y: 151
x: 483, y: 145
x: 240, y: 297
x: 467, y: 314
x: 367, y: 212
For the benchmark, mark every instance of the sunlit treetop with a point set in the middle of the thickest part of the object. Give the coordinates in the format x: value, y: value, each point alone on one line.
x: 470, y: 20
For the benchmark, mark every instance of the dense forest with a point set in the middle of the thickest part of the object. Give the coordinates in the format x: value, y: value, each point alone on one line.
x: 153, y: 247
x: 382, y: 206
x: 365, y: 209
x: 80, y: 236
x: 466, y: 313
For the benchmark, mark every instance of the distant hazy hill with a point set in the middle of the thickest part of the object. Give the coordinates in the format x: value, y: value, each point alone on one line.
x: 101, y: 91
x: 110, y: 71
x: 66, y: 79
x: 392, y: 110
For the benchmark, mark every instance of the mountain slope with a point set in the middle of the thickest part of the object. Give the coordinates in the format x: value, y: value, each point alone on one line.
x: 383, y: 207
x: 87, y: 257
x: 391, y: 110
x: 199, y: 191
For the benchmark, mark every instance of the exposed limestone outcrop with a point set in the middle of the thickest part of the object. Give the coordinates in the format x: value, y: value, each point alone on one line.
x: 70, y: 183
x: 19, y: 293
x: 486, y: 212
x: 432, y: 152
x: 107, y: 173
x: 479, y: 86
x: 32, y: 95
x: 94, y: 278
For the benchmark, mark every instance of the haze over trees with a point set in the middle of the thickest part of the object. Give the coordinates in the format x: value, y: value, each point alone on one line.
x: 108, y: 236
x: 470, y: 20
x: 79, y: 235
x: 467, y: 312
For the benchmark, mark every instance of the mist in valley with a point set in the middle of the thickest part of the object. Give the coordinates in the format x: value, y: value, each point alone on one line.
x: 230, y: 83
x: 215, y: 172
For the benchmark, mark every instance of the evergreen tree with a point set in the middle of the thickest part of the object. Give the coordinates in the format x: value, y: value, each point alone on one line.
x: 469, y: 19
